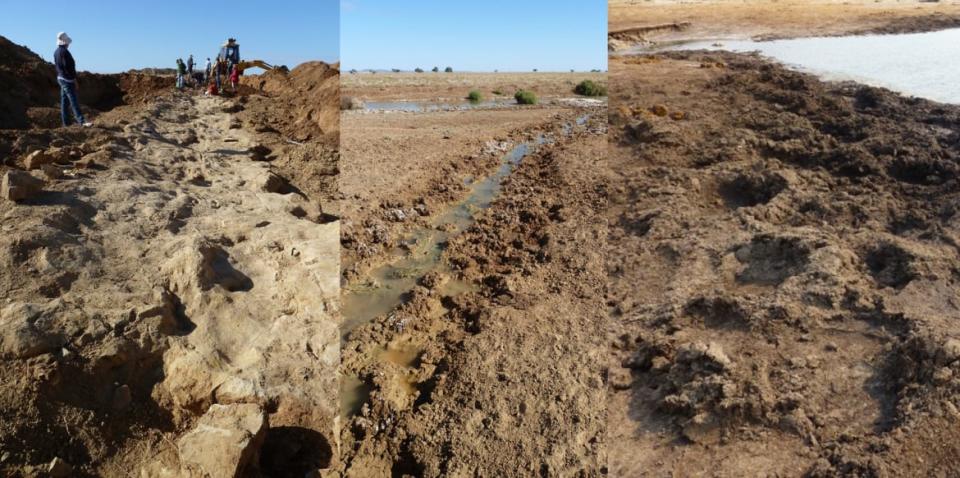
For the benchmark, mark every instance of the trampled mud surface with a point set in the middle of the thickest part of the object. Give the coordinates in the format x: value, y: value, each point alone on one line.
x: 170, y: 300
x: 491, y: 363
x: 783, y: 272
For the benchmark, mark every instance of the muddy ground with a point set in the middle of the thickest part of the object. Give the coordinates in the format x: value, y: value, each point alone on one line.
x: 170, y: 296
x: 633, y: 22
x: 783, y: 269
x: 474, y: 374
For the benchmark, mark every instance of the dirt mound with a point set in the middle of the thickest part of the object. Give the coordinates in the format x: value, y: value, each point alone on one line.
x: 297, y: 114
x: 302, y: 95
x: 32, y: 96
x: 139, y: 88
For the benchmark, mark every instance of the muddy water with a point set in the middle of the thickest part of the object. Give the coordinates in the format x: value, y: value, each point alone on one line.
x: 387, y: 286
x: 918, y: 64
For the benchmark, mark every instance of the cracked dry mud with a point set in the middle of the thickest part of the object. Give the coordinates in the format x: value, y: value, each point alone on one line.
x: 170, y: 309
x: 783, y: 270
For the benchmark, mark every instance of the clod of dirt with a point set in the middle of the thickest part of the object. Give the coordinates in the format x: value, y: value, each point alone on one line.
x: 37, y: 159
x: 28, y: 330
x: 19, y: 185
x: 225, y: 440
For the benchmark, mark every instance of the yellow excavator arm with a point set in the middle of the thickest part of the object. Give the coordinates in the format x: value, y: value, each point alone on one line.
x: 243, y: 65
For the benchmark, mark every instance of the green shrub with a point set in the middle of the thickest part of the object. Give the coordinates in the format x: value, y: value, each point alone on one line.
x: 436, y: 69
x: 418, y: 70
x: 475, y: 96
x: 524, y: 97
x: 448, y: 69
x: 498, y: 92
x: 395, y: 70
x: 589, y: 88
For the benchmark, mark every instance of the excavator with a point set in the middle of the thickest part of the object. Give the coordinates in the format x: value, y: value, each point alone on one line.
x: 230, y: 51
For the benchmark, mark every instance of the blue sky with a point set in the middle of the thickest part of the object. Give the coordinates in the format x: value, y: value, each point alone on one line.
x: 509, y: 35
x: 112, y: 36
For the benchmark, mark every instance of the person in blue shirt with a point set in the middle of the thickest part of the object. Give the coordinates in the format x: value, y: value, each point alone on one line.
x: 67, y: 78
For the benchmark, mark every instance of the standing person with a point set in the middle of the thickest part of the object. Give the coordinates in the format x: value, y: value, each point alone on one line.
x: 67, y: 79
x: 190, y: 66
x: 221, y: 68
x: 181, y: 70
x: 235, y: 77
x: 206, y: 72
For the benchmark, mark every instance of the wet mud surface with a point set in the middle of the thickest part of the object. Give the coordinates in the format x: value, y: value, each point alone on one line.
x: 470, y: 358
x: 783, y: 263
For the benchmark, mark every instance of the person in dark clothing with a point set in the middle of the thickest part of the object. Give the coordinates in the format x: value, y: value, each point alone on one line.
x: 181, y: 72
x: 67, y: 78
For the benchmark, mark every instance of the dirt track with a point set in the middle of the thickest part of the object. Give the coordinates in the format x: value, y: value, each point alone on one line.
x: 783, y: 272
x: 170, y: 299
x: 472, y: 373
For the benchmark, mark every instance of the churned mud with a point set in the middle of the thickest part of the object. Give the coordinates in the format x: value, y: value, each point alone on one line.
x: 170, y: 296
x: 783, y: 260
x: 468, y: 349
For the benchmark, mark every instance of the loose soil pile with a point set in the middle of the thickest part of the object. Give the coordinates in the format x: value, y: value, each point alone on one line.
x: 783, y: 267
x: 298, y: 130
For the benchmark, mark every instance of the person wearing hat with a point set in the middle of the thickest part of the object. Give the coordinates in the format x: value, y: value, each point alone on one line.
x: 67, y: 78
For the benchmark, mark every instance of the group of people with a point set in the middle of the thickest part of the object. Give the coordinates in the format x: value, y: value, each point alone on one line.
x: 227, y: 65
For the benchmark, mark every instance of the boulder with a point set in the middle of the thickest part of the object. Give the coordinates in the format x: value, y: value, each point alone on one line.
x: 18, y: 185
x: 224, y: 441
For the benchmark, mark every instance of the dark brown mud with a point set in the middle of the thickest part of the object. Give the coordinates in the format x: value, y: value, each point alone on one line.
x: 784, y: 264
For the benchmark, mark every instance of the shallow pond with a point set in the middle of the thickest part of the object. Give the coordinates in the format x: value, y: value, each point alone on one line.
x: 916, y: 64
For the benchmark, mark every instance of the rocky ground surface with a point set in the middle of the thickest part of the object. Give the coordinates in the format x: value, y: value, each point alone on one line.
x: 475, y: 374
x: 783, y: 263
x: 647, y: 22
x: 170, y: 296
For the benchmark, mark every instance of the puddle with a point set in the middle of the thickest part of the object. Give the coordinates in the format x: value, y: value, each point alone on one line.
x: 402, y: 355
x: 389, y: 285
x: 353, y: 394
x: 433, y: 106
x: 916, y: 64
